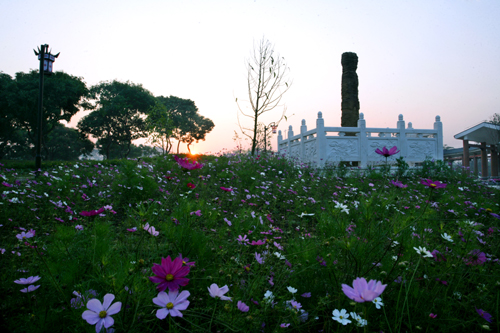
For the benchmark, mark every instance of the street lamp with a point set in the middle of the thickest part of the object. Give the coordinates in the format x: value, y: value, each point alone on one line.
x: 273, y: 126
x: 46, y: 60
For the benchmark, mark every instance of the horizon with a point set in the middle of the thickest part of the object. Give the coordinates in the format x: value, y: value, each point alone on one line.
x: 419, y: 59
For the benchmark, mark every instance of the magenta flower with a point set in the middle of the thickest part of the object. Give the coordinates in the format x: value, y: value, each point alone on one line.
x: 243, y: 307
x: 6, y: 184
x: 134, y: 229
x: 215, y: 291
x: 363, y: 291
x: 432, y: 315
x: 476, y: 258
x: 100, y: 314
x: 484, y: 314
x: 397, y: 183
x: 172, y: 303
x: 30, y: 280
x: 92, y: 212
x: 394, y: 150
x: 170, y: 274
x: 185, y: 164
x: 432, y: 184
x: 226, y: 189
x: 258, y: 242
x: 191, y: 185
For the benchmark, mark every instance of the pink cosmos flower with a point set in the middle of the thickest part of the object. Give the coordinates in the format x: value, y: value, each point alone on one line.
x: 432, y: 315
x: 394, y: 150
x: 172, y: 303
x: 185, y: 164
x: 6, y: 184
x: 258, y: 242
x: 484, y: 314
x: 100, y: 314
x: 134, y: 229
x: 432, y: 184
x: 397, y: 183
x: 92, y: 212
x: 215, y: 291
x: 191, y: 185
x: 30, y: 280
x: 24, y: 235
x: 243, y: 307
x: 476, y: 258
x: 226, y: 189
x: 170, y: 274
x: 185, y: 261
x: 363, y: 291
x: 151, y: 230
x: 30, y: 288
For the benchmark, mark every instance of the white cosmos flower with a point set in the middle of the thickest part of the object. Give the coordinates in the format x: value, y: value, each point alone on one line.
x: 447, y: 237
x: 423, y: 251
x: 341, y: 316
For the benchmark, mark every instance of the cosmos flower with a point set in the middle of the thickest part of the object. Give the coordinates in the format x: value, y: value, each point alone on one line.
x: 476, y: 257
x: 432, y: 184
x: 484, y: 314
x: 243, y: 307
x: 92, y: 212
x: 386, y: 153
x: 215, y: 291
x: 363, y: 291
x: 341, y: 316
x: 170, y: 274
x: 185, y: 164
x: 171, y: 304
x: 30, y: 288
x: 100, y: 314
x: 30, y: 280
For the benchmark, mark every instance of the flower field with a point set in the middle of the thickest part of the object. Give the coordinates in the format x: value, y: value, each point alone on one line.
x: 235, y: 243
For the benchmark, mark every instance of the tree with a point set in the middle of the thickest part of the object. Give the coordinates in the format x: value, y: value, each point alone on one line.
x: 267, y: 84
x: 188, y: 125
x: 63, y: 97
x: 7, y: 120
x: 67, y: 144
x: 160, y: 126
x: 118, y: 116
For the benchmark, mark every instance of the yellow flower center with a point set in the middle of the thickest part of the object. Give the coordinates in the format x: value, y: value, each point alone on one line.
x: 169, y: 277
x: 433, y: 185
x: 170, y: 305
x: 102, y: 314
x: 488, y: 210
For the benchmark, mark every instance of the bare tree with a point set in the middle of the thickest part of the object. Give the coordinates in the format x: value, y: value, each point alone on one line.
x: 267, y: 83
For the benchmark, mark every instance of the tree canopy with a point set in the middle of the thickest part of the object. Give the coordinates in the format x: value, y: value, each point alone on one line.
x: 64, y: 95
x: 118, y: 117
x: 188, y: 125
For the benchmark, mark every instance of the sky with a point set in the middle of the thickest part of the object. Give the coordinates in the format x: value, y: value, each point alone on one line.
x: 418, y: 58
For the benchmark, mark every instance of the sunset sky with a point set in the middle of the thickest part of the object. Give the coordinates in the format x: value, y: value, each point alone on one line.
x: 419, y: 58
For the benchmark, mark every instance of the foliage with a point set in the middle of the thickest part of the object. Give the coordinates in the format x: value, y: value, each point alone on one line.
x: 317, y: 231
x: 160, y: 127
x: 188, y: 125
x: 118, y: 116
x: 63, y: 96
x: 267, y: 74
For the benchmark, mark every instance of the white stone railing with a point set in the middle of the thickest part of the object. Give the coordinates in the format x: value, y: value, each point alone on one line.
x: 331, y: 144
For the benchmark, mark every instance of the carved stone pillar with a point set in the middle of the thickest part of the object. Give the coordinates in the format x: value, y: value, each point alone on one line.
x: 350, y: 100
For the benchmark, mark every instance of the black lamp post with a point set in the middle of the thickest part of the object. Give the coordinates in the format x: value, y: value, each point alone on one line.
x: 46, y: 60
x: 273, y: 126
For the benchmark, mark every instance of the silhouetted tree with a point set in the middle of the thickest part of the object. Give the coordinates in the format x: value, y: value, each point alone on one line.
x: 120, y: 110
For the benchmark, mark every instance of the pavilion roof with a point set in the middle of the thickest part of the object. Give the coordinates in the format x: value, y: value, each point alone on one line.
x: 483, y: 132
